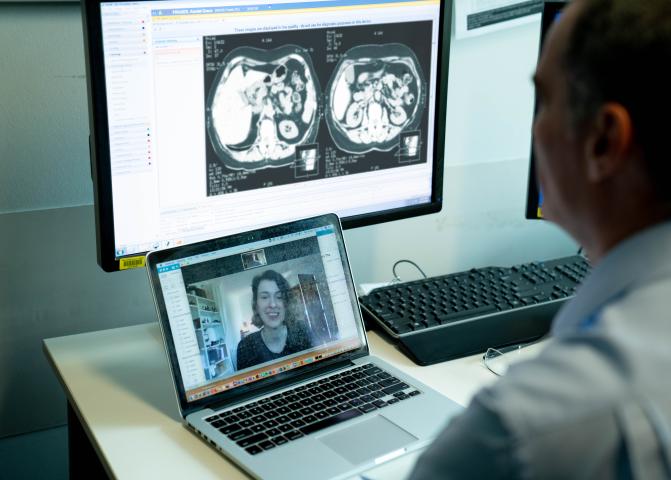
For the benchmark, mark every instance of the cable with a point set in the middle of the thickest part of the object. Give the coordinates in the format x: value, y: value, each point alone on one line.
x: 397, y: 278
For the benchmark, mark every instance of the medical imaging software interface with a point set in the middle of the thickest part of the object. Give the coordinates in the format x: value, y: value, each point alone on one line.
x: 228, y: 116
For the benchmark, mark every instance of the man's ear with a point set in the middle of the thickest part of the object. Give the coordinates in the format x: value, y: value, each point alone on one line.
x: 608, y: 142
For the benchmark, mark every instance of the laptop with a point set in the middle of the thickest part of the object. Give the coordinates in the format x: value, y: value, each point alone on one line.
x: 269, y: 356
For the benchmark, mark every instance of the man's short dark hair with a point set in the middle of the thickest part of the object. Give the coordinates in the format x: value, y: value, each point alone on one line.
x: 620, y: 51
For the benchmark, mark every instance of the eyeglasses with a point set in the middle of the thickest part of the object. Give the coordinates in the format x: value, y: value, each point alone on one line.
x: 497, y: 360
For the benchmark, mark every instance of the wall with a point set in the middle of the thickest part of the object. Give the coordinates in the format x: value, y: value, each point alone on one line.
x: 50, y: 284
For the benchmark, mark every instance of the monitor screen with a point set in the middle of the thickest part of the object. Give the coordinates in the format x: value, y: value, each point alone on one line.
x: 210, y: 117
x: 551, y: 13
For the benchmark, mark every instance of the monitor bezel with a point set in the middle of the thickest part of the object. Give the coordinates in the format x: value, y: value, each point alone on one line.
x: 550, y: 10
x: 100, y: 152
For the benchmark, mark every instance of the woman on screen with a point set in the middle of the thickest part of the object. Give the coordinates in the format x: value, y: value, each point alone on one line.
x: 281, y: 333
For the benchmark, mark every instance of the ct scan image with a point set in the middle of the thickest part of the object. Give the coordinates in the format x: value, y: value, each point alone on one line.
x: 292, y: 106
x: 261, y: 105
x: 376, y: 92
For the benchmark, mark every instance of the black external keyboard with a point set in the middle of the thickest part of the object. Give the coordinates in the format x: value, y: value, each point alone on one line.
x: 290, y: 415
x: 449, y: 316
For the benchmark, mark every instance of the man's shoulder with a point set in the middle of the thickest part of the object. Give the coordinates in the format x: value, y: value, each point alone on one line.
x: 576, y: 376
x: 568, y: 376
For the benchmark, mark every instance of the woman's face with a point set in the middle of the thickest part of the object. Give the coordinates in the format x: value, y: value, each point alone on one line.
x: 270, y: 304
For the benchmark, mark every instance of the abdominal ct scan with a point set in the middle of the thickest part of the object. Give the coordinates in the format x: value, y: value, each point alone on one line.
x: 376, y: 92
x: 285, y: 107
x: 261, y: 106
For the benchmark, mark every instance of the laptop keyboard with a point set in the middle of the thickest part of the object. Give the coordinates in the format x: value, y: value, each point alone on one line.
x: 290, y: 415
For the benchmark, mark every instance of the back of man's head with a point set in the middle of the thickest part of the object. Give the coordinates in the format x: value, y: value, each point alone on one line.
x: 620, y: 51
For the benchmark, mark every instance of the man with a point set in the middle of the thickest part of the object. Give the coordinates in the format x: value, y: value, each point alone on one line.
x: 596, y: 403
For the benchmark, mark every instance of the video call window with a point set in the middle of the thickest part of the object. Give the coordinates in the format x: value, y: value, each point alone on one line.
x: 269, y: 308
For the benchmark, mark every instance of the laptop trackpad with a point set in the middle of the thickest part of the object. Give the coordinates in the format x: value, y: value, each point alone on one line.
x: 367, y: 440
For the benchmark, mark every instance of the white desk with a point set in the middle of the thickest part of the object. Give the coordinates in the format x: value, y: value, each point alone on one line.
x: 122, y: 409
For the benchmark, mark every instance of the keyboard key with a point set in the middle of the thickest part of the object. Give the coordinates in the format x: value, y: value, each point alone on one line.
x: 246, y: 442
x: 254, y: 449
x: 267, y: 445
x: 306, y: 411
x: 395, y: 388
x: 293, y: 435
x: 273, y: 432
x: 368, y: 407
x: 257, y: 428
x: 388, y: 382
x: 280, y: 440
x: 235, y: 436
x: 230, y: 429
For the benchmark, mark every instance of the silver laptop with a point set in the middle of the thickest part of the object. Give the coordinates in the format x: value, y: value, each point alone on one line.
x: 270, y: 359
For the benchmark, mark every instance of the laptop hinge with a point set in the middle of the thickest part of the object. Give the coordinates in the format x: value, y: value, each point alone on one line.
x: 272, y: 388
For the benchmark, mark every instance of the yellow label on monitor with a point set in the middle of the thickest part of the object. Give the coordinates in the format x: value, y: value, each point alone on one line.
x: 131, y: 262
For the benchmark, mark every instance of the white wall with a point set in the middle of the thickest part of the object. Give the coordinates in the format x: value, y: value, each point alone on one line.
x: 49, y: 282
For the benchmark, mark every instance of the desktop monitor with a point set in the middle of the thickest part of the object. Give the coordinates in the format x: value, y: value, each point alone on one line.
x: 210, y: 117
x: 551, y: 13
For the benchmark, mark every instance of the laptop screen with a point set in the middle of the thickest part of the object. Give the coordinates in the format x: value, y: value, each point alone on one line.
x: 244, y: 313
